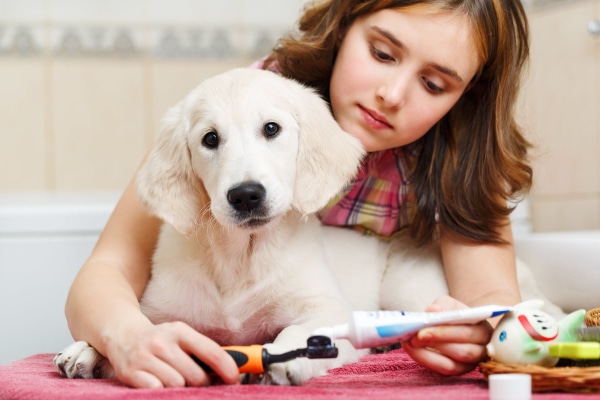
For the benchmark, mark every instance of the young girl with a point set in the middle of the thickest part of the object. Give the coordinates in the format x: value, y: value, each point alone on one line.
x: 428, y: 86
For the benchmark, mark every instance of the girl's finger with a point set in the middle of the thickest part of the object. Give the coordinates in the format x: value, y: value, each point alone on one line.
x: 142, y: 379
x: 478, y: 334
x: 185, y: 367
x: 153, y: 373
x: 436, y: 361
x: 212, y: 355
x: 464, y: 353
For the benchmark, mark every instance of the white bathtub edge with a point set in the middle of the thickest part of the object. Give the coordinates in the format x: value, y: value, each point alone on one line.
x: 55, y: 212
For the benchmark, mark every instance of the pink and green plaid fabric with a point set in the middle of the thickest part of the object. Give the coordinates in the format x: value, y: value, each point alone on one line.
x: 381, y: 200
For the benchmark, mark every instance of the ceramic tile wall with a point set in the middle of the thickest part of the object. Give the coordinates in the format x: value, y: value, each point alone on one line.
x: 544, y: 4
x: 561, y: 113
x: 85, y: 82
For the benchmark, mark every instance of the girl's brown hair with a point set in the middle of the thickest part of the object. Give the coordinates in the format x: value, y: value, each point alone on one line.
x: 475, y: 157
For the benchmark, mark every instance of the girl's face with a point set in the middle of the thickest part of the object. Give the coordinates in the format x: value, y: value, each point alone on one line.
x: 399, y: 72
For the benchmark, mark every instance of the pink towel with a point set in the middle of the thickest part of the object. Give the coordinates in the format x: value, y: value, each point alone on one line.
x: 391, y: 375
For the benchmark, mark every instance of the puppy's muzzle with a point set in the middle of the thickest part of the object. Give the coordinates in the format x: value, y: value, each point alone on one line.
x: 249, y: 202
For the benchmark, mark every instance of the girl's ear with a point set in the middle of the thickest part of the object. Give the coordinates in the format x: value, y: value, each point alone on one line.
x: 328, y: 157
x: 166, y: 183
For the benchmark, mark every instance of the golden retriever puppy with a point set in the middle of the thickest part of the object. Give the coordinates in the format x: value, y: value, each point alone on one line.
x: 239, y: 168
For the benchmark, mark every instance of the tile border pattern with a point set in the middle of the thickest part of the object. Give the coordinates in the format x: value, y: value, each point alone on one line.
x: 127, y: 42
x: 544, y: 4
x: 167, y: 42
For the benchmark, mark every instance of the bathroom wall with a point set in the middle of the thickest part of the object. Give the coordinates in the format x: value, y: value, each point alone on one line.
x: 560, y: 111
x: 85, y: 82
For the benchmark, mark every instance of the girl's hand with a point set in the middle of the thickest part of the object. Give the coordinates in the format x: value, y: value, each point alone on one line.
x: 449, y: 349
x: 159, y: 356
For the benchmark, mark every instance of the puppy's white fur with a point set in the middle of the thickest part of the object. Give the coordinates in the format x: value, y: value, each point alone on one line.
x: 271, y: 274
x: 238, y: 274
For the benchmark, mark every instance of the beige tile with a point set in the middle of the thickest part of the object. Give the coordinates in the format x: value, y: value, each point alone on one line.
x: 271, y: 12
x: 563, y: 101
x: 173, y: 79
x: 224, y: 12
x: 23, y: 140
x: 550, y: 213
x: 98, y: 121
x: 96, y: 12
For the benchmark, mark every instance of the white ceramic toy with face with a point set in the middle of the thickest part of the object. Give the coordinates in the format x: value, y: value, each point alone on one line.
x: 523, y: 335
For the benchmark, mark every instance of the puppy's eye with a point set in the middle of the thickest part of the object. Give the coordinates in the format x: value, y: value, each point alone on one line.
x: 271, y: 129
x: 211, y: 140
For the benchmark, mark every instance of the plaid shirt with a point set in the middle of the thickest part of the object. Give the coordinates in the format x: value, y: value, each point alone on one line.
x: 381, y: 200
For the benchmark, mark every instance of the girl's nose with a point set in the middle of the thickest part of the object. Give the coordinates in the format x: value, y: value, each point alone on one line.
x: 392, y: 91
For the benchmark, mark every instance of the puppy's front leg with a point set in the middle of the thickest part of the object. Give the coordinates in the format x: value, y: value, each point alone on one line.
x: 80, y: 360
x: 300, y: 370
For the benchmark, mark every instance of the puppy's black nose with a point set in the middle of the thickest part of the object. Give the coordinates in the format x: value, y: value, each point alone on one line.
x: 247, y: 196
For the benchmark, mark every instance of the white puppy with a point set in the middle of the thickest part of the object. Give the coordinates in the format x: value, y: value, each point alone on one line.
x: 241, y: 165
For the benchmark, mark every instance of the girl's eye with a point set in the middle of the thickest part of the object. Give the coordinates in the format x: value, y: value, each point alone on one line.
x: 271, y: 129
x: 380, y: 55
x: 432, y: 87
x: 211, y: 140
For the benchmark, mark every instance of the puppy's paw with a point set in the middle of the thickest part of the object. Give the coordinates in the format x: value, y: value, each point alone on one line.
x: 80, y: 360
x: 294, y: 372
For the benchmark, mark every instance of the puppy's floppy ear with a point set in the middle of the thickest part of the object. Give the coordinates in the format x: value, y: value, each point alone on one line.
x: 166, y: 183
x: 328, y: 157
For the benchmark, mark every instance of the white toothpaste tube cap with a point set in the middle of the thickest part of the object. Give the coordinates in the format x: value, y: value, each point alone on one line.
x: 333, y: 332
x: 510, y: 386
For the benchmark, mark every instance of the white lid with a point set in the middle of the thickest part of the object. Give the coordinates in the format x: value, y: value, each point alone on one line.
x: 325, y: 331
x: 510, y: 386
x: 334, y: 332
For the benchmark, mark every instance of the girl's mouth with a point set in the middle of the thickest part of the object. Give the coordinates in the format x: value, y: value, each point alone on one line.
x: 373, y: 119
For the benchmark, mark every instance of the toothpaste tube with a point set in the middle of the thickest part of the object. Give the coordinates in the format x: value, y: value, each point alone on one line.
x: 378, y: 328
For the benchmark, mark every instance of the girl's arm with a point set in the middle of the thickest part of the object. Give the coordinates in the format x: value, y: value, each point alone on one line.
x: 480, y: 274
x: 103, y: 309
x: 477, y: 274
